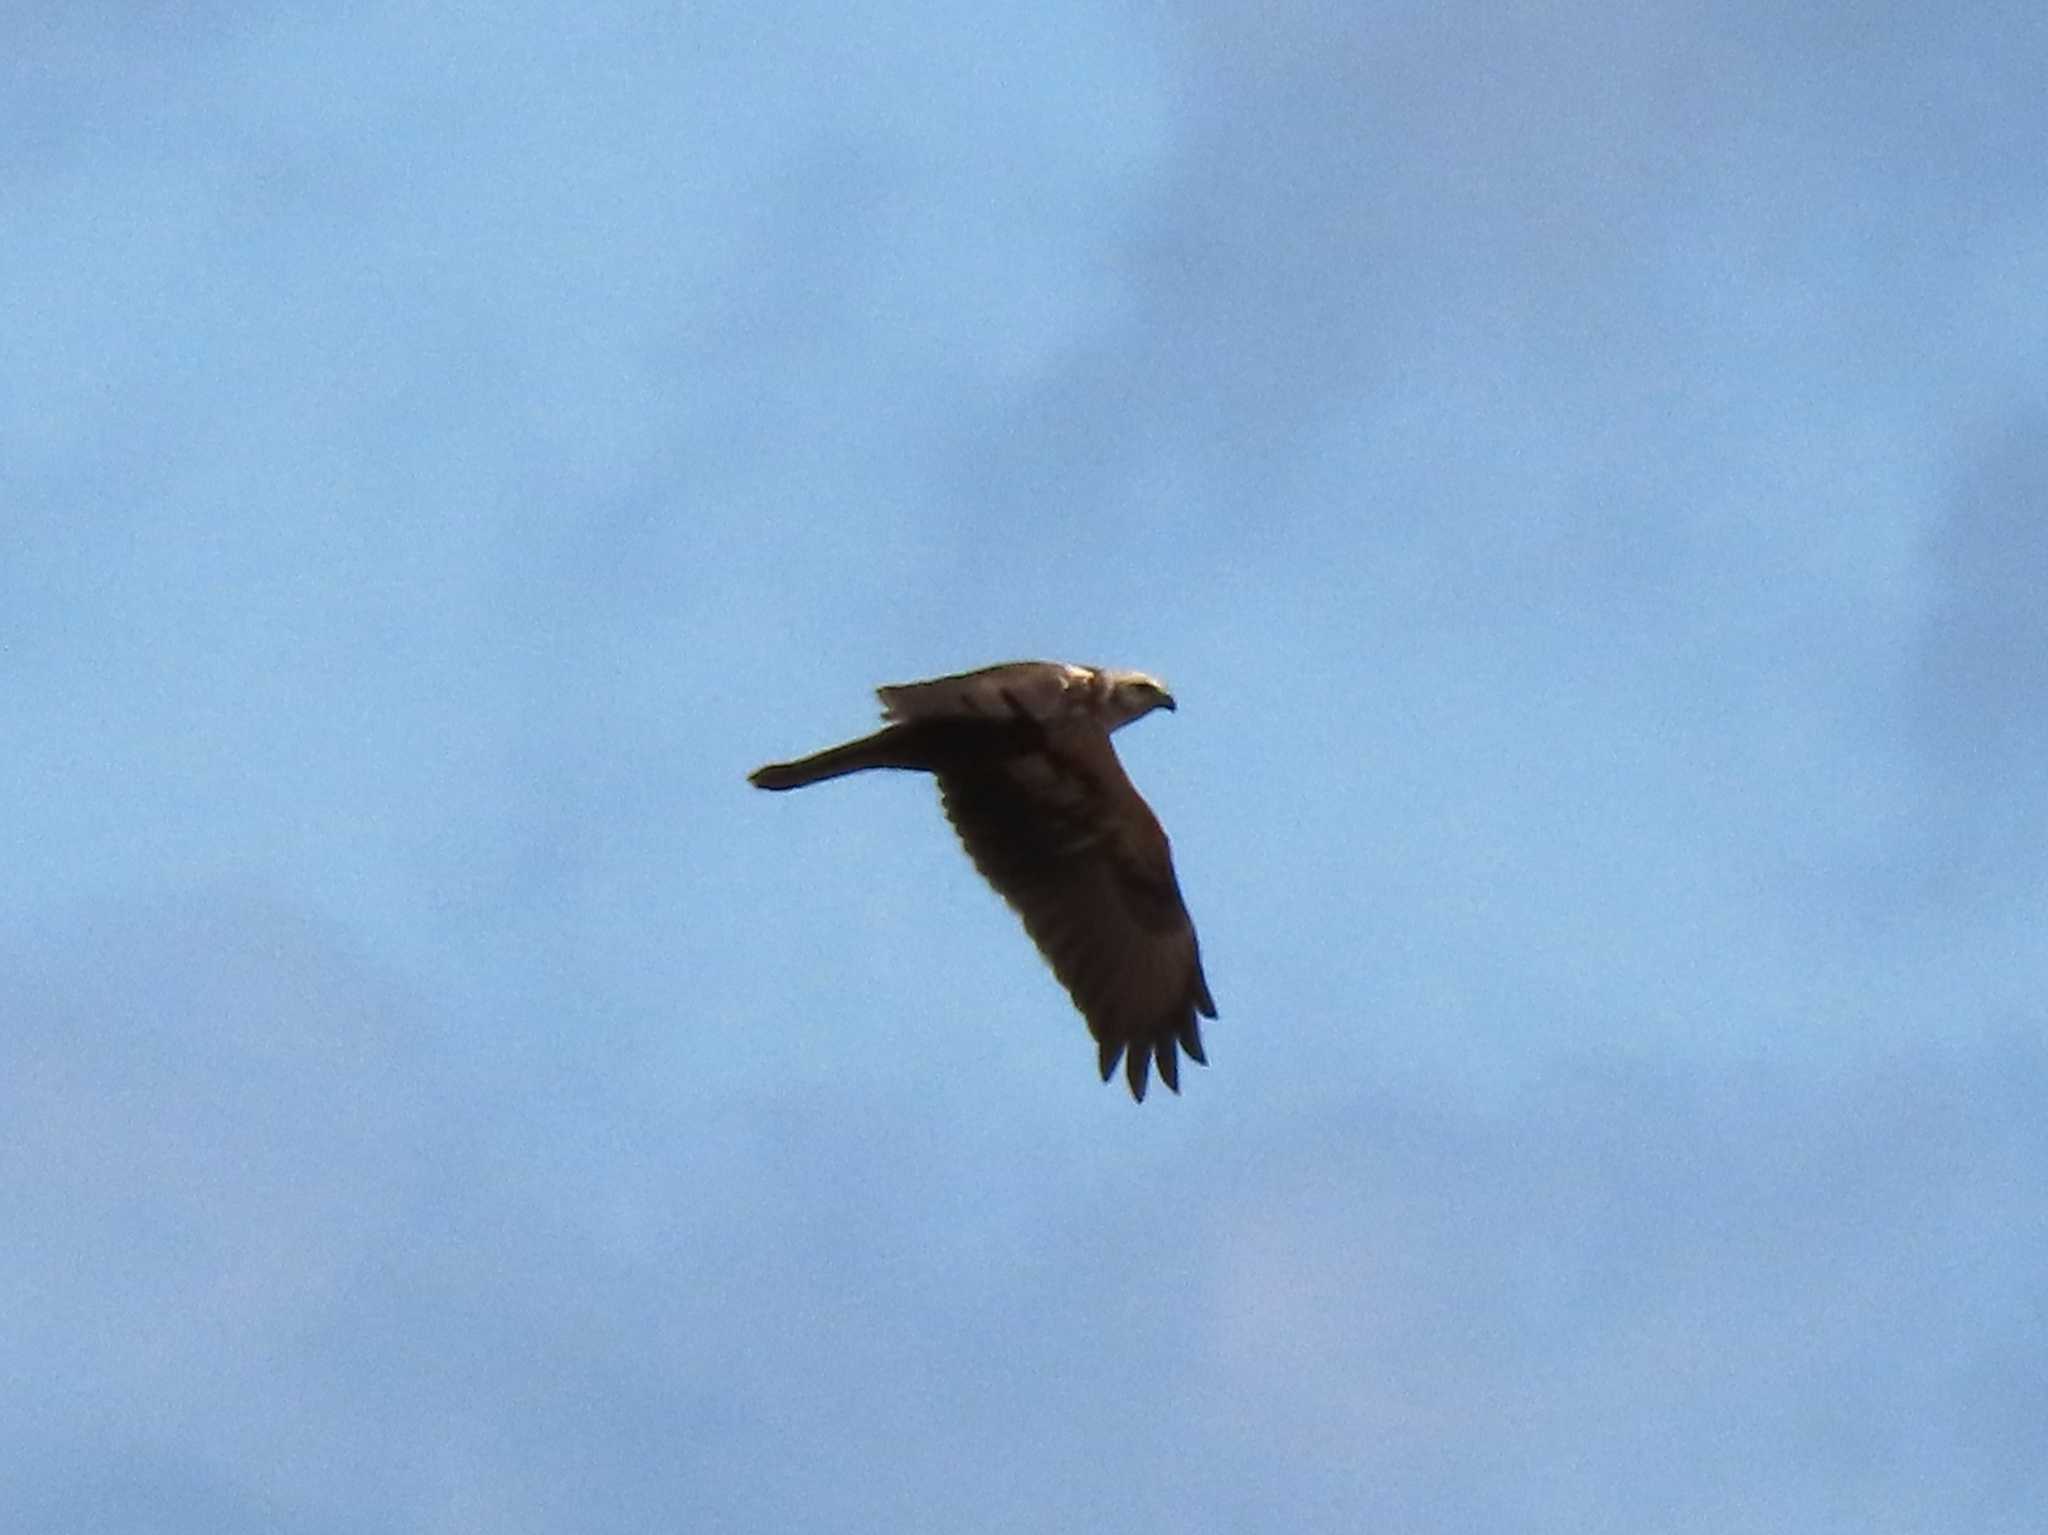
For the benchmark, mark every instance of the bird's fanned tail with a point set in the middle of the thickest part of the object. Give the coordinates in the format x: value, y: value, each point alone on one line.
x: 883, y: 749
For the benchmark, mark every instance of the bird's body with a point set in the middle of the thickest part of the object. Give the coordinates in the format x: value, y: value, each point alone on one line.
x: 1030, y: 781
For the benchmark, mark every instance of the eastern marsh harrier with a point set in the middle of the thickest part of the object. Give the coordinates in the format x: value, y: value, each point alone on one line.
x: 1030, y: 781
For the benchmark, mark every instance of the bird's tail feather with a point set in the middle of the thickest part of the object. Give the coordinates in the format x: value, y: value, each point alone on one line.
x: 884, y: 749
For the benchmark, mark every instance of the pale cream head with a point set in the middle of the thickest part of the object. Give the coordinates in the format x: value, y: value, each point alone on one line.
x: 1131, y: 695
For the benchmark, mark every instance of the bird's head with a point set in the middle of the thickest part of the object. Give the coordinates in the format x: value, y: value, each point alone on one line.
x: 1132, y: 695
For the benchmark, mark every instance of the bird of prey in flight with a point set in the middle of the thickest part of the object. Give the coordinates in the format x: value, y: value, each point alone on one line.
x: 1030, y: 781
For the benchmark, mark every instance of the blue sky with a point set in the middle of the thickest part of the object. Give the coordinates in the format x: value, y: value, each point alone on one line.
x: 1583, y: 472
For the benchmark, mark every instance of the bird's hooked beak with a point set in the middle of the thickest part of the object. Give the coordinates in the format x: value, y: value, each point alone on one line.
x: 1166, y: 702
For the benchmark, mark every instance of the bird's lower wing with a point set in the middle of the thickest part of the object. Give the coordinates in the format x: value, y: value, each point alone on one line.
x: 1067, y: 841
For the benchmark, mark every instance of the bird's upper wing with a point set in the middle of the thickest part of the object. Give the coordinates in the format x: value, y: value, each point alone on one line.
x: 1062, y: 834
x: 1030, y: 689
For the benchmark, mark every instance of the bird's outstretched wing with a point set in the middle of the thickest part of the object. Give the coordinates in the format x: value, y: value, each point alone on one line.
x: 1066, y: 839
x: 1035, y: 690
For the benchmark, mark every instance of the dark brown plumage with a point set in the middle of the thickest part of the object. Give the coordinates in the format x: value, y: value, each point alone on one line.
x: 1031, y: 783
